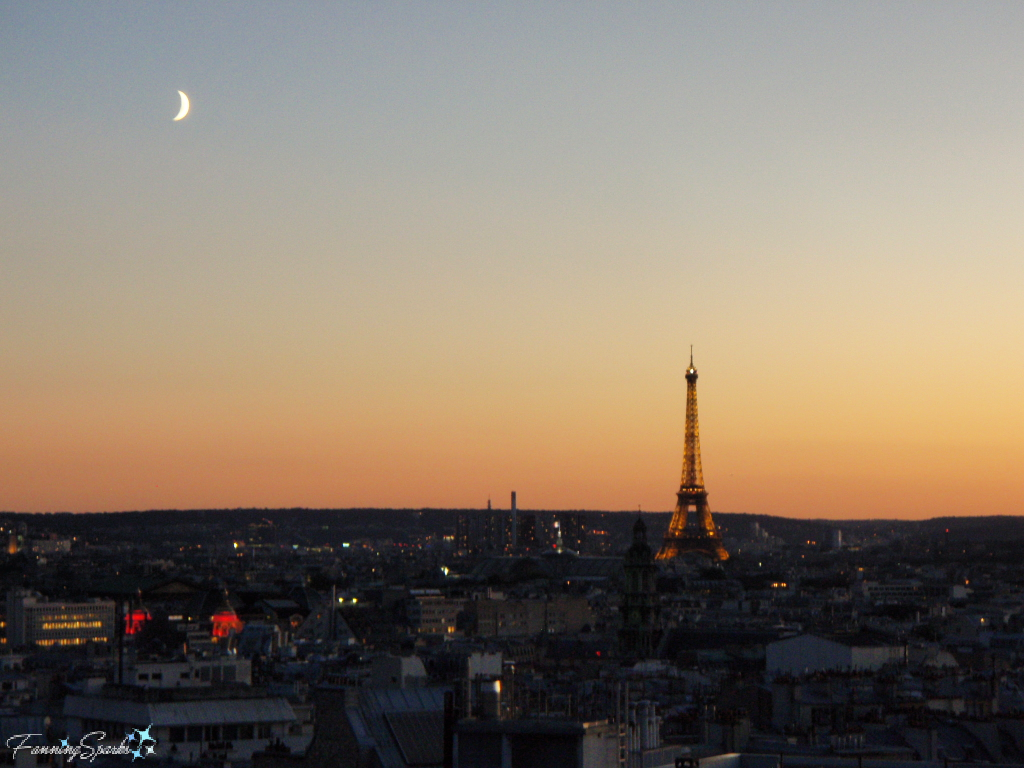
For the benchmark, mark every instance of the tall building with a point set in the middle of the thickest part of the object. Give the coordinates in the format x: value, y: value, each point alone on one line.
x: 526, y: 536
x: 34, y: 620
x: 691, y: 528
x: 513, y: 543
x: 493, y: 540
x: 572, y: 529
x: 639, y: 598
x: 464, y: 540
x: 508, y: 533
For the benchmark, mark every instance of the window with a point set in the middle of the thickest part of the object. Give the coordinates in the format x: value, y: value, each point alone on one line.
x: 245, y: 732
x: 177, y: 735
x: 143, y: 676
x: 230, y: 732
x: 158, y: 675
x: 194, y: 733
x: 263, y: 731
x: 229, y: 674
x: 184, y: 675
x: 211, y: 733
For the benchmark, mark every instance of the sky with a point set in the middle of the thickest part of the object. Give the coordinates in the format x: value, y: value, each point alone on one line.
x: 425, y: 254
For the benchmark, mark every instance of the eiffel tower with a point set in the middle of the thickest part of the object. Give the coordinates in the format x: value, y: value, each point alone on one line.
x: 691, y: 528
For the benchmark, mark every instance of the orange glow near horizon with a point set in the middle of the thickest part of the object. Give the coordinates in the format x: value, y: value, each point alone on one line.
x: 559, y: 453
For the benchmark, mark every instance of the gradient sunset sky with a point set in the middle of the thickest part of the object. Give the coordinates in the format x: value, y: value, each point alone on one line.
x: 423, y: 254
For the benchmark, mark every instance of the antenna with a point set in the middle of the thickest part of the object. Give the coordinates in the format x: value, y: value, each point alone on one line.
x: 691, y: 355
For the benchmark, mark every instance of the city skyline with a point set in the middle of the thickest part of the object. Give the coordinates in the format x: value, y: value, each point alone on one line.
x: 419, y: 256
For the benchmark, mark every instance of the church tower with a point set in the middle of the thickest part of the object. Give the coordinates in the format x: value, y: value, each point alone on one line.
x: 639, y: 598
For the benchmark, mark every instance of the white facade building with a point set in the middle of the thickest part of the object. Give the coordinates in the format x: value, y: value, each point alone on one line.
x: 228, y: 729
x: 191, y: 673
x: 806, y: 654
x: 894, y: 591
x: 34, y: 620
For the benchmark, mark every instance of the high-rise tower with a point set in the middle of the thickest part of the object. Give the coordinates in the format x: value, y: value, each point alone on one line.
x: 691, y: 528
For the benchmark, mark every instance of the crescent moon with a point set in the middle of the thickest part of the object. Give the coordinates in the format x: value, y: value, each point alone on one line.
x: 184, y: 106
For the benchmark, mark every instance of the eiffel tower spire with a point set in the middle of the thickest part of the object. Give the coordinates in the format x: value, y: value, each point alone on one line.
x: 693, y: 474
x: 698, y: 534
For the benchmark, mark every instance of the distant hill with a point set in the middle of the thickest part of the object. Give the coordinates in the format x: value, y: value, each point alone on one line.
x: 332, y: 526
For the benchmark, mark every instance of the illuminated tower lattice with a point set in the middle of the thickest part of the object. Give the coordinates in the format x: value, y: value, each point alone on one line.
x: 692, y: 529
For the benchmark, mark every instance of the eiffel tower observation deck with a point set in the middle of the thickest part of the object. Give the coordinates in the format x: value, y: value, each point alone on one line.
x: 692, y: 530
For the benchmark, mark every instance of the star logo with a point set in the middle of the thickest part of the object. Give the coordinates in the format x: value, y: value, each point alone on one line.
x: 139, y: 738
x: 64, y: 742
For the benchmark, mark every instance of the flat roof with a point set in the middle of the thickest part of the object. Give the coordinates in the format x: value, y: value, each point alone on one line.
x: 175, y: 713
